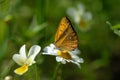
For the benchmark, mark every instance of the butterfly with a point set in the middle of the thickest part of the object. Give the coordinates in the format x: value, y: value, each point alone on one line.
x: 65, y: 46
x: 66, y: 37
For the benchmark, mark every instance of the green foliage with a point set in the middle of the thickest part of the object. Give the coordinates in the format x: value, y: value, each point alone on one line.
x: 3, y: 39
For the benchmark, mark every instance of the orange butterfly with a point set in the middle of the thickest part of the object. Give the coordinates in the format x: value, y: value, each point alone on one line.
x: 66, y: 37
x: 65, y: 45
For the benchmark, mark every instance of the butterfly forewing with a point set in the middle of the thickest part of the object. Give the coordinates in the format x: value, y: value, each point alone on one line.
x: 66, y: 38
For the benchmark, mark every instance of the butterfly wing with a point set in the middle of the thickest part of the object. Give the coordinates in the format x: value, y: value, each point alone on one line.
x: 66, y: 37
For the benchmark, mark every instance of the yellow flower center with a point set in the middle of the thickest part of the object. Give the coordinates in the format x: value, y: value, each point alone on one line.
x: 83, y: 24
x: 64, y: 54
x: 21, y: 70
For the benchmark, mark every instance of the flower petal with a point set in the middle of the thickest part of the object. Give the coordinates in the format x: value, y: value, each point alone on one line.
x: 52, y: 45
x: 60, y: 59
x: 50, y: 50
x: 63, y: 61
x: 19, y: 59
x: 30, y: 60
x: 21, y: 70
x: 71, y: 12
x: 75, y: 57
x: 74, y: 14
x: 87, y: 16
x: 76, y: 60
x: 75, y: 52
x: 75, y: 63
x: 81, y: 8
x: 23, y: 52
x: 34, y: 50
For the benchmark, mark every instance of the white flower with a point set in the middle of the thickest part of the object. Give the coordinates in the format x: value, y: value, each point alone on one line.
x: 80, y: 17
x: 25, y: 60
x: 63, y: 56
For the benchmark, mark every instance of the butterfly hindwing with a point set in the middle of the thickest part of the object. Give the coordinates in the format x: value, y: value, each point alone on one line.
x: 66, y: 38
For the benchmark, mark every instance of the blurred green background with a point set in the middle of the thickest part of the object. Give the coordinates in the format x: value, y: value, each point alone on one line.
x: 36, y: 21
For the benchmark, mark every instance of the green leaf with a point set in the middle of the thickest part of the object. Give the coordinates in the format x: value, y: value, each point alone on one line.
x: 117, y: 26
x: 3, y: 39
x: 116, y: 29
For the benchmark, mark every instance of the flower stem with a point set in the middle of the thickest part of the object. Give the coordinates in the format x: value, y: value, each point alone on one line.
x: 36, y: 72
x: 56, y: 71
